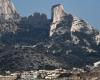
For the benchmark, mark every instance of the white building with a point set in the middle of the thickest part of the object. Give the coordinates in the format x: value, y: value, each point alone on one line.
x: 29, y: 75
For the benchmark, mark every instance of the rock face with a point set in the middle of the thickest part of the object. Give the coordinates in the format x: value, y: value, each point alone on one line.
x: 29, y: 29
x: 57, y: 12
x: 8, y: 16
x: 59, y: 17
x: 80, y: 25
x: 97, y: 38
x: 7, y: 10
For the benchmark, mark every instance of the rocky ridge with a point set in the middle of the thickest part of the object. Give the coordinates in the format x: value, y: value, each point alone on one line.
x: 40, y: 43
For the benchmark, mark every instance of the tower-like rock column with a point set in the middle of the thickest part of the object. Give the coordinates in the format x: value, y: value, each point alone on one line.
x: 57, y: 16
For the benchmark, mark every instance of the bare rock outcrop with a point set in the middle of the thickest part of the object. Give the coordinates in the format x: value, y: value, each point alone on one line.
x: 7, y: 10
x: 8, y: 16
x: 59, y: 16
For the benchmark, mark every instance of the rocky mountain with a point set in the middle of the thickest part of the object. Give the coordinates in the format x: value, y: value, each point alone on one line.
x: 72, y: 37
x: 59, y: 15
x: 36, y: 42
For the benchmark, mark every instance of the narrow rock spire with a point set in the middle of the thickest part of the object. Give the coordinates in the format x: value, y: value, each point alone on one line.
x: 57, y: 16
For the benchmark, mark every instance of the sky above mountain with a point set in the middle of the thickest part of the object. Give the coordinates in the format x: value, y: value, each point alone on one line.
x: 85, y: 9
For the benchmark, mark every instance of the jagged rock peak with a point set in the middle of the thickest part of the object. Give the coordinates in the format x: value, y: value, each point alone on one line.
x: 57, y: 12
x: 56, y: 16
x: 7, y: 9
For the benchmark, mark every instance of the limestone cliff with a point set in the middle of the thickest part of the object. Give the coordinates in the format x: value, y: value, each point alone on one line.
x: 8, y: 16
x: 7, y: 9
x: 59, y: 17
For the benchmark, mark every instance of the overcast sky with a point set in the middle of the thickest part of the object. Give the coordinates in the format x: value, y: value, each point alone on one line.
x: 86, y: 9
